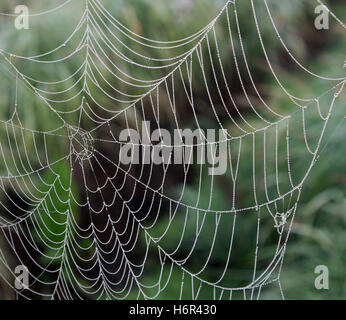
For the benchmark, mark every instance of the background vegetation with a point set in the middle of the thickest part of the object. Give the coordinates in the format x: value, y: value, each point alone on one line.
x: 319, y: 231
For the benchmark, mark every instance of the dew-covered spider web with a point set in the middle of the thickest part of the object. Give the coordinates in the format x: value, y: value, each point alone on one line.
x: 88, y: 226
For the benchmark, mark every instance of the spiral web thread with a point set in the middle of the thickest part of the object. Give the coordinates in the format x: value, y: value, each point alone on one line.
x: 73, y: 217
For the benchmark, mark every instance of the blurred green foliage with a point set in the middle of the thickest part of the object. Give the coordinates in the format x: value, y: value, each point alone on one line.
x: 319, y: 231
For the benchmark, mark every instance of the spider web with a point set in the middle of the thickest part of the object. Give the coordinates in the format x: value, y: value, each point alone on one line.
x: 92, y: 227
